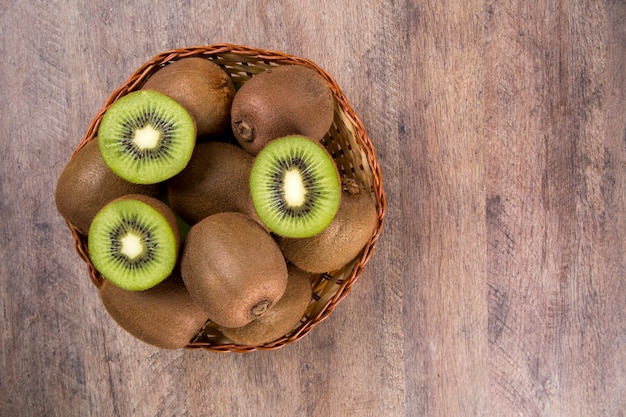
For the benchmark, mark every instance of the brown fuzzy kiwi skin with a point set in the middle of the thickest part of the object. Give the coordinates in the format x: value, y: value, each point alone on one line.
x: 202, y: 87
x: 342, y: 240
x: 215, y: 180
x: 233, y: 268
x: 280, y: 319
x: 281, y: 101
x: 86, y: 184
x: 164, y: 316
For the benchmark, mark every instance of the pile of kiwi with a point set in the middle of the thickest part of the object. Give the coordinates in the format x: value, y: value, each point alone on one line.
x: 202, y: 203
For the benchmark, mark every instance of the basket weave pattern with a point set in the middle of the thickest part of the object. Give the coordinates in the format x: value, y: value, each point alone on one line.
x: 347, y: 142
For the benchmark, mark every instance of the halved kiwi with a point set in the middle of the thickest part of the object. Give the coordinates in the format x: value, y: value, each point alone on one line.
x: 295, y: 187
x: 146, y: 137
x: 133, y: 242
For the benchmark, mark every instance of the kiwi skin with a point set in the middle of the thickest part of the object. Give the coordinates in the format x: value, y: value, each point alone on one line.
x: 86, y: 184
x: 214, y: 181
x: 342, y: 240
x: 280, y: 319
x: 233, y: 268
x: 202, y: 87
x: 281, y: 101
x: 164, y: 316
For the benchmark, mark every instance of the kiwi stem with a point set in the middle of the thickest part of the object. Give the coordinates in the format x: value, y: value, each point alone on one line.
x: 260, y: 308
x: 350, y: 186
x: 245, y: 130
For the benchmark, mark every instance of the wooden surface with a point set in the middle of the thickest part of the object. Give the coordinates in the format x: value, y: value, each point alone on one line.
x: 498, y: 285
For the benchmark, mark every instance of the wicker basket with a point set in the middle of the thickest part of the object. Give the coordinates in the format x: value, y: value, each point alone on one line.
x: 347, y: 141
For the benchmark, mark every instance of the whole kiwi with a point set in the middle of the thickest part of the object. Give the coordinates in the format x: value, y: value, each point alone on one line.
x: 215, y: 180
x: 164, y: 316
x: 202, y: 87
x: 280, y: 319
x: 233, y: 268
x: 342, y: 240
x: 86, y: 184
x: 281, y: 101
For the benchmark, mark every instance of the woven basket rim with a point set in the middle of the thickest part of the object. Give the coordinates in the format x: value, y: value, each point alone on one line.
x: 271, y: 57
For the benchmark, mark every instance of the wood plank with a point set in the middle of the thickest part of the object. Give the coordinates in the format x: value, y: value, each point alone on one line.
x: 552, y: 302
x: 443, y: 207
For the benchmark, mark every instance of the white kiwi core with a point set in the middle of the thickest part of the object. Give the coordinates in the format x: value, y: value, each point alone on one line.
x: 147, y: 137
x: 293, y: 188
x: 131, y: 245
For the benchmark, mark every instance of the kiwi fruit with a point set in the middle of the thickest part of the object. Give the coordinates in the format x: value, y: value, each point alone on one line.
x: 295, y: 187
x: 232, y: 268
x: 280, y: 319
x: 281, y: 101
x: 215, y: 180
x: 146, y: 137
x: 164, y: 316
x: 86, y: 184
x: 202, y: 87
x: 133, y: 242
x: 342, y: 240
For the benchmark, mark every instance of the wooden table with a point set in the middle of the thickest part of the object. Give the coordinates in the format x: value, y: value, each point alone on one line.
x: 498, y: 285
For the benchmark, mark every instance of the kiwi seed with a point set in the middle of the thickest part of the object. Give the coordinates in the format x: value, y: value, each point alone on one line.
x: 202, y: 87
x: 280, y: 319
x: 86, y: 184
x: 295, y: 187
x: 233, y: 268
x: 164, y: 316
x: 281, y: 101
x: 146, y: 137
x: 133, y: 242
x: 342, y: 240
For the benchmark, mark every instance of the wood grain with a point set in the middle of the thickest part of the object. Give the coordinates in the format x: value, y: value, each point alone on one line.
x: 498, y: 286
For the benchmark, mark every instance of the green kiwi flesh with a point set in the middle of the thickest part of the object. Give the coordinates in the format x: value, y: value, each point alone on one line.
x: 280, y: 101
x: 133, y: 242
x: 295, y: 187
x: 342, y: 240
x: 280, y: 319
x: 214, y: 181
x: 146, y: 137
x: 232, y: 268
x: 86, y: 184
x: 164, y: 316
x: 202, y: 87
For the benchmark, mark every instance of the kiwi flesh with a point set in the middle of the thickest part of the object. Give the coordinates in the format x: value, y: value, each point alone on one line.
x: 232, y: 268
x: 295, y: 187
x: 280, y: 101
x: 86, y: 184
x: 164, y: 316
x: 342, y: 240
x: 202, y: 87
x: 134, y: 242
x: 280, y: 319
x: 146, y: 137
x: 214, y: 181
